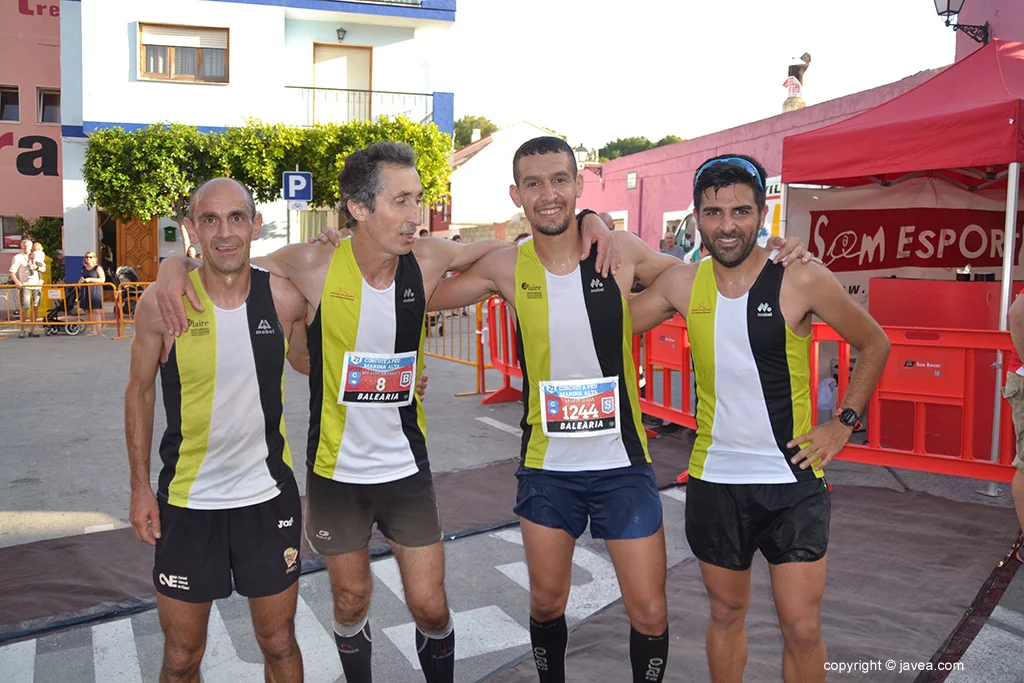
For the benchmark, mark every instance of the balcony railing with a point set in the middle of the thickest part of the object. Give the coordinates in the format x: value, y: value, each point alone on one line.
x: 334, y: 105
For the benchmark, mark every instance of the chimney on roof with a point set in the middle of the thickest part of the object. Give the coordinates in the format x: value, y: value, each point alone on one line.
x: 794, y: 84
x: 476, y: 135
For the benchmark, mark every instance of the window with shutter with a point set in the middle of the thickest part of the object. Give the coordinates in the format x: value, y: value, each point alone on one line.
x: 183, y: 53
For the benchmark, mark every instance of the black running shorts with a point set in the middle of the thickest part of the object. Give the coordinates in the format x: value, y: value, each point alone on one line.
x: 200, y: 551
x: 340, y: 516
x: 727, y: 523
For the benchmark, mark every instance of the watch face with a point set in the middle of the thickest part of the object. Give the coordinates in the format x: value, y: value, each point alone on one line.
x: 848, y: 417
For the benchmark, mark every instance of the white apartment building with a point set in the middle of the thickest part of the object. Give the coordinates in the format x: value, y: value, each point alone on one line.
x: 214, y: 63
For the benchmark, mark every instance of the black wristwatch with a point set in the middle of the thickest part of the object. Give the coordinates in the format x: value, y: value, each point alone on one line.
x: 579, y: 218
x: 849, y: 417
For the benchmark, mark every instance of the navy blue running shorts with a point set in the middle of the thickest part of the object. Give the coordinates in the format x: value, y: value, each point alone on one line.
x: 620, y: 504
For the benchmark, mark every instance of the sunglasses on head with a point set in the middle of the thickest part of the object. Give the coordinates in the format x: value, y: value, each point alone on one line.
x: 732, y: 161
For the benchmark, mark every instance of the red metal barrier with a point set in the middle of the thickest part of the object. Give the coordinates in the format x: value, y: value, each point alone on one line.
x: 665, y: 350
x: 931, y: 372
x: 504, y: 351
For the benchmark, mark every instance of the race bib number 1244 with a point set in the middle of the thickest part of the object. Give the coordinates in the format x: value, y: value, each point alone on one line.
x: 378, y: 379
x: 580, y: 408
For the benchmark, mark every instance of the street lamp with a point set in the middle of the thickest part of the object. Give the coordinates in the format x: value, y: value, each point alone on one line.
x: 342, y: 32
x: 947, y: 8
x: 581, y: 155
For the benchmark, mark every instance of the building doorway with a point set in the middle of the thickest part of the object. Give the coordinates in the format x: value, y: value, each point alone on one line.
x: 342, y: 80
x: 137, y: 244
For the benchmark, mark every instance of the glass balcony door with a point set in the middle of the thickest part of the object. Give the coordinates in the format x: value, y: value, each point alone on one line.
x: 342, y: 78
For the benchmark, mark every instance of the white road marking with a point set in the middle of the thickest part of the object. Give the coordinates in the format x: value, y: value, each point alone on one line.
x: 584, y: 598
x: 98, y: 527
x: 515, y: 431
x: 18, y: 662
x: 676, y: 492
x: 387, y: 571
x: 221, y: 663
x: 477, y: 632
x: 114, y: 654
x: 319, y: 655
x: 510, y: 535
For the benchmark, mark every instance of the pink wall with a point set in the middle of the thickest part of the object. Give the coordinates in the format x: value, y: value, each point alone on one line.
x: 665, y: 174
x: 29, y: 59
x: 1006, y: 19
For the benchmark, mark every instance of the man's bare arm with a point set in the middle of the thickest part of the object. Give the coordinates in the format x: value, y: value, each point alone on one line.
x: 829, y: 300
x: 669, y: 294
x: 648, y: 264
x: 1016, y: 316
x: 458, y: 256
x: 172, y: 282
x: 298, y: 350
x: 291, y: 311
x: 472, y: 285
x: 139, y: 404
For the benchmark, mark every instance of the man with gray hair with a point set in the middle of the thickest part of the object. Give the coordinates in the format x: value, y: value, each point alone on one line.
x: 25, y: 276
x: 366, y: 453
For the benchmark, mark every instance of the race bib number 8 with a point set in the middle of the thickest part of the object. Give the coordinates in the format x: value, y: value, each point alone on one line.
x: 580, y: 407
x: 378, y: 379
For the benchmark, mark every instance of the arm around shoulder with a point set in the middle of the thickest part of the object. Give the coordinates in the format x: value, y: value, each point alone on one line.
x: 648, y: 263
x: 293, y: 260
x: 668, y: 294
x: 474, y: 284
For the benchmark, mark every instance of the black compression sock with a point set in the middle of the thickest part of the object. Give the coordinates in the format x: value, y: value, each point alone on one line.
x: 436, y: 650
x: 648, y: 655
x: 549, y: 639
x: 355, y: 648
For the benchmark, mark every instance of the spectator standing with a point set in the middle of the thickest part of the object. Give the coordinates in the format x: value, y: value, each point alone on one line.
x: 671, y: 248
x: 1013, y: 390
x: 92, y: 273
x: 25, y: 275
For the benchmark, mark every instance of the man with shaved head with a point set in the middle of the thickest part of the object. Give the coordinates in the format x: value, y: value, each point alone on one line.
x: 227, y: 507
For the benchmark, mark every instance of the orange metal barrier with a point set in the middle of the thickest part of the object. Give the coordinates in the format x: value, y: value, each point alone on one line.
x: 460, y: 339
x: 932, y: 372
x: 61, y: 307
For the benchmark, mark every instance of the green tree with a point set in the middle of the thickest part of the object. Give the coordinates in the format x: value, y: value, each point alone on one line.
x: 668, y: 140
x: 148, y: 172
x: 464, y: 129
x: 623, y: 147
x: 152, y: 172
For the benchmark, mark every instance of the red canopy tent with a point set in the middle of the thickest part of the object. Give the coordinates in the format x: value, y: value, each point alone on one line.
x: 964, y: 126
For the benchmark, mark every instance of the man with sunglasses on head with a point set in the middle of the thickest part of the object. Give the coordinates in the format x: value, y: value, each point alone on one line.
x: 756, y: 470
x: 584, y: 451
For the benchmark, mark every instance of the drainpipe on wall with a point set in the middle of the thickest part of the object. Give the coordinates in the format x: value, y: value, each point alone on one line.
x: 640, y: 208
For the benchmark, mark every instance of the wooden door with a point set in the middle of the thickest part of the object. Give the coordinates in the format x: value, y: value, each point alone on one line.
x: 138, y: 246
